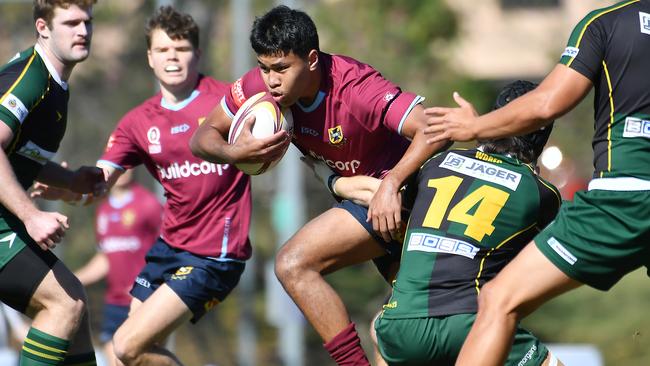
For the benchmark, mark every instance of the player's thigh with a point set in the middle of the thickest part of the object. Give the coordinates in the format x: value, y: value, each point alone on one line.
x: 527, y: 282
x: 22, y: 274
x: 331, y: 241
x: 154, y: 319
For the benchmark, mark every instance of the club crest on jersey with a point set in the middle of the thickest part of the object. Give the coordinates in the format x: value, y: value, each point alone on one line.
x: 571, y: 52
x: 15, y: 106
x: 644, y: 20
x: 335, y: 134
x: 128, y: 217
x: 153, y: 135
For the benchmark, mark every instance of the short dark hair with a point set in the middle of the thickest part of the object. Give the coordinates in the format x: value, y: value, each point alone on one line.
x: 44, y: 9
x: 526, y: 148
x: 177, y: 25
x: 282, y: 30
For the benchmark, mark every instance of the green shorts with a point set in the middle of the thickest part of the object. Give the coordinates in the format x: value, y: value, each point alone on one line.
x: 13, y: 237
x: 600, y: 236
x: 438, y: 340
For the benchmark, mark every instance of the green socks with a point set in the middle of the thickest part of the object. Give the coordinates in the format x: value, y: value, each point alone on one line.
x: 41, y: 349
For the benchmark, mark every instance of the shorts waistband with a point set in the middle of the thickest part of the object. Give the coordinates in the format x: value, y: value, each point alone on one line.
x: 619, y: 184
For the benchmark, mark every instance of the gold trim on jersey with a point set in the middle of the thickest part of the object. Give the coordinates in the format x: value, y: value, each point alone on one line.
x: 480, y: 268
x: 611, y: 119
x: 13, y: 86
x: 584, y: 28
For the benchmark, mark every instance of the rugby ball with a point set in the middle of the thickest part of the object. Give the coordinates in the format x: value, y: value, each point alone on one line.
x: 269, y: 119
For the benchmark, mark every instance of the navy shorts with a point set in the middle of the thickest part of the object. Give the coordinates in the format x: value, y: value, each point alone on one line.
x: 386, y: 264
x: 114, y: 316
x: 200, y: 282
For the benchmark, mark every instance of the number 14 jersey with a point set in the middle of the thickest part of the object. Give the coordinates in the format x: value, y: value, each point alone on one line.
x: 472, y: 212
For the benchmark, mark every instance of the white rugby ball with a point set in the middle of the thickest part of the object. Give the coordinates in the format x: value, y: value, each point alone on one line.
x: 270, y: 118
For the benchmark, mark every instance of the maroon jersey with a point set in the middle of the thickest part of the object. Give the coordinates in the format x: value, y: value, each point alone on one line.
x: 354, y: 125
x: 126, y: 227
x: 208, y: 205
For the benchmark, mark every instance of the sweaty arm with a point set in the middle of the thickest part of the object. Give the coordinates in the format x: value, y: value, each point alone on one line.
x: 558, y: 93
x: 209, y: 141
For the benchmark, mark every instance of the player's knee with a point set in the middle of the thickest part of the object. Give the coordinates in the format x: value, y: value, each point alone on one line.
x: 494, y: 300
x: 124, y: 348
x: 287, y: 265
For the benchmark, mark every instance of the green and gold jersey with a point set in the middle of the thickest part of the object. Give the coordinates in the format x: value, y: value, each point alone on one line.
x: 472, y: 213
x: 611, y: 47
x: 34, y: 104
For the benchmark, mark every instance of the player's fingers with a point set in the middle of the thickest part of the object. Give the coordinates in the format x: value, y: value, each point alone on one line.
x: 249, y: 122
x: 437, y: 111
x: 63, y: 220
x: 461, y: 101
x: 439, y: 137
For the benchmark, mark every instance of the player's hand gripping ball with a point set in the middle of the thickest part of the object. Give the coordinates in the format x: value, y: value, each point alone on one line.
x: 269, y: 119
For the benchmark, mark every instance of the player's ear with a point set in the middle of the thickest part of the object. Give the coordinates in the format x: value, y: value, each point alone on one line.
x: 312, y: 59
x: 150, y: 58
x: 41, y: 28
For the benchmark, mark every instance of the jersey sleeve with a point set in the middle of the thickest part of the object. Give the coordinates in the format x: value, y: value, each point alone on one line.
x: 22, y: 86
x: 586, y: 47
x: 374, y: 101
x: 122, y: 151
x: 549, y: 203
x: 249, y: 84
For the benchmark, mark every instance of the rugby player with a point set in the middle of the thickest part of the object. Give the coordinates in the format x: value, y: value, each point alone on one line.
x: 33, y: 111
x: 346, y: 114
x: 127, y: 223
x: 604, y: 232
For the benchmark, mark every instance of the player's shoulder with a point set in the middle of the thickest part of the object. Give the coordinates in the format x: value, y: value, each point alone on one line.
x: 346, y: 67
x: 246, y: 86
x: 25, y: 74
x: 211, y: 85
x: 609, y: 14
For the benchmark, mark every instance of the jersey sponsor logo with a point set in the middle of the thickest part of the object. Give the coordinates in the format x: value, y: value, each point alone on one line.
x: 102, y: 224
x: 342, y: 166
x: 335, y: 134
x: 120, y: 244
x: 561, y: 251
x: 187, y: 169
x: 237, y: 92
x: 153, y: 135
x: 481, y: 170
x: 36, y: 153
x: 142, y: 282
x: 636, y: 127
x: 528, y: 356
x: 430, y: 243
x: 15, y: 106
x: 180, y: 129
x: 644, y: 22
x: 9, y: 239
x: 571, y: 52
x: 309, y: 131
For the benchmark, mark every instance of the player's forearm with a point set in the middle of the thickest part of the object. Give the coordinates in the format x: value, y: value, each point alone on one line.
x: 12, y: 195
x: 417, y: 153
x: 208, y: 144
x: 95, y: 270
x: 359, y: 189
x: 55, y: 175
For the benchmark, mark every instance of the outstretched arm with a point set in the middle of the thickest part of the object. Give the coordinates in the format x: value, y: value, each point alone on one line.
x: 93, y: 271
x: 560, y: 91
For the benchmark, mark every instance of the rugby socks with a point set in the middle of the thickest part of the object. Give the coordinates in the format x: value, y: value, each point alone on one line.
x: 345, y: 348
x: 86, y: 359
x: 42, y: 349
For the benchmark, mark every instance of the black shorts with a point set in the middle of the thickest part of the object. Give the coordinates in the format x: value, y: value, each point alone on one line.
x: 200, y: 282
x: 20, y: 277
x: 388, y: 263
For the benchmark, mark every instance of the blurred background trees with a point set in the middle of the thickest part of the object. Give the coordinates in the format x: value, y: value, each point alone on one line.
x: 430, y: 47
